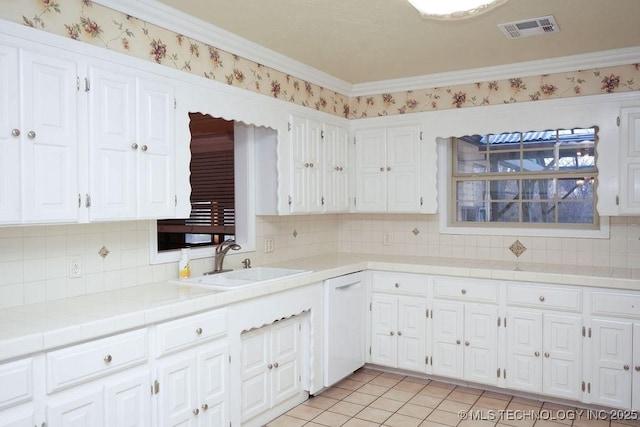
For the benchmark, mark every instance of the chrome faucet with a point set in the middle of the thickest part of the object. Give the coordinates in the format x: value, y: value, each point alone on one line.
x: 221, y: 250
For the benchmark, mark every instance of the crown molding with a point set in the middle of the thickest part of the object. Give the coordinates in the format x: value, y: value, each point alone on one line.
x: 609, y: 58
x: 171, y: 19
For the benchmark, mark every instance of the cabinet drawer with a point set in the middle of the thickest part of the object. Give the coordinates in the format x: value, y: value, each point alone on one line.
x: 401, y: 283
x: 465, y: 290
x: 83, y: 362
x: 565, y: 299
x: 615, y: 304
x: 193, y: 330
x: 16, y: 382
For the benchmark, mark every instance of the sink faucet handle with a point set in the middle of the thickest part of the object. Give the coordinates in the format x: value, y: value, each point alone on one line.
x: 247, y: 263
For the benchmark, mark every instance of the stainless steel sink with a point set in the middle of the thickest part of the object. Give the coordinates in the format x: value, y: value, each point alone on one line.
x: 241, y: 278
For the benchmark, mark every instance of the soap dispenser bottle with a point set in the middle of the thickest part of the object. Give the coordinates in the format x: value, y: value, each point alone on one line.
x: 184, y: 268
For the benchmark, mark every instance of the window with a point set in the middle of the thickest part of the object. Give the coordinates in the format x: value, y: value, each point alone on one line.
x: 212, y: 218
x: 537, y: 179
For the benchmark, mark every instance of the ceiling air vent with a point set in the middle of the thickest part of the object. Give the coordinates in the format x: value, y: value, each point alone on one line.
x: 530, y: 27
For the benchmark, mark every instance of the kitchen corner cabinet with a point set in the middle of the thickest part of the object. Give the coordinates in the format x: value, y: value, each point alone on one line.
x: 132, y: 161
x: 38, y: 137
x: 387, y: 163
x: 629, y: 196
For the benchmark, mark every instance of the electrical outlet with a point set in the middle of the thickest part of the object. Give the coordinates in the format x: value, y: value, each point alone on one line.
x: 268, y: 245
x: 75, y: 268
x: 386, y: 239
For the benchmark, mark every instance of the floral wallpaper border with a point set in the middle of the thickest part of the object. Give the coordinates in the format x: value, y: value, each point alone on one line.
x: 86, y: 21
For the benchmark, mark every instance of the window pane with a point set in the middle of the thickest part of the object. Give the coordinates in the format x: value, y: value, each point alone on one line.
x: 507, y: 189
x: 576, y: 158
x: 505, y: 211
x: 472, y: 156
x: 504, y: 162
x: 538, y: 189
x: 572, y: 212
x: 470, y: 205
x: 576, y: 189
x: 538, y: 160
x: 540, y: 212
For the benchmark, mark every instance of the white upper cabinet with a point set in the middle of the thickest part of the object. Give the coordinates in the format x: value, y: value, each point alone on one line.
x: 629, y: 197
x: 39, y: 141
x: 388, y: 169
x: 336, y: 169
x: 132, y: 163
x: 306, y: 165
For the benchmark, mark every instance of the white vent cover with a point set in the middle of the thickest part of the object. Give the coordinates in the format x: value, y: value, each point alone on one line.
x: 530, y: 27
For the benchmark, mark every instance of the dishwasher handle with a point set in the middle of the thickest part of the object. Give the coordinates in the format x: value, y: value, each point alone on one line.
x: 348, y: 286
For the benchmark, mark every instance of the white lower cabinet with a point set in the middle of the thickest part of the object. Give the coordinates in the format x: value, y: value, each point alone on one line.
x: 270, y: 366
x: 544, y: 353
x: 193, y: 387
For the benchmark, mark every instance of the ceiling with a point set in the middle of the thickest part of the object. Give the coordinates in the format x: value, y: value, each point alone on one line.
x: 362, y: 41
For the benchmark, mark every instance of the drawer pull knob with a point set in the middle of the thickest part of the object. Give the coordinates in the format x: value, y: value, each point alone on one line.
x: 391, y: 333
x: 397, y: 285
x: 638, y: 368
x: 199, y: 331
x: 31, y: 134
x: 108, y: 358
x: 275, y: 365
x: 626, y: 367
x: 270, y: 366
x: 15, y: 132
x: 466, y: 343
x: 458, y: 342
x: 196, y: 411
x: 541, y: 299
x: 537, y: 354
x: 546, y: 355
x: 381, y: 169
x: 134, y: 146
x: 399, y: 333
x: 205, y: 407
x: 464, y: 291
x: 144, y: 148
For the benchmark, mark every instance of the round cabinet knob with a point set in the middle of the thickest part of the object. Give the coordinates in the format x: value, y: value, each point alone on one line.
x: 275, y: 365
x: 464, y: 292
x: 196, y: 411
x: 541, y: 299
x: 388, y: 168
x: 397, y: 285
x: 391, y: 333
x: 270, y: 366
x: 31, y: 134
x: 337, y: 168
x: 15, y: 132
x: 134, y: 146
x: 108, y: 358
x: 458, y: 342
x: 637, y: 368
x: 199, y: 331
x: 466, y: 343
x: 144, y: 148
x: 340, y: 168
x: 310, y: 165
x: 546, y: 355
x: 381, y: 169
x: 537, y: 354
x: 399, y: 333
x: 205, y: 407
x: 306, y: 165
x: 626, y: 367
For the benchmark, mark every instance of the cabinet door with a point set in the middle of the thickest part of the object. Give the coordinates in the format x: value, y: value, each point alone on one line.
x: 213, y: 386
x: 22, y: 420
x: 313, y: 148
x: 384, y: 325
x: 562, y: 362
x: 156, y: 151
x: 299, y: 165
x: 128, y: 403
x: 177, y: 396
x: 113, y: 146
x: 10, y: 182
x: 447, y: 339
x: 403, y: 169
x: 336, y: 169
x: 81, y: 412
x: 255, y: 359
x: 371, y: 164
x: 524, y: 350
x: 285, y: 358
x: 611, y: 357
x: 481, y: 344
x: 412, y: 323
x: 50, y: 140
x: 630, y: 161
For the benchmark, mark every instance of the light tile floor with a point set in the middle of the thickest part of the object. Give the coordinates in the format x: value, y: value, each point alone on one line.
x: 370, y: 398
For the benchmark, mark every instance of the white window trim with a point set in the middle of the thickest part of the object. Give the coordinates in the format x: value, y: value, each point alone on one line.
x: 245, y: 207
x: 444, y: 192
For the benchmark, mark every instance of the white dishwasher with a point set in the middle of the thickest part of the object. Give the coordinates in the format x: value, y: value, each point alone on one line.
x: 344, y: 326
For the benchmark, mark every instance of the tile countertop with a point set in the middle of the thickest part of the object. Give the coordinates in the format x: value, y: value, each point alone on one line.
x: 43, y: 326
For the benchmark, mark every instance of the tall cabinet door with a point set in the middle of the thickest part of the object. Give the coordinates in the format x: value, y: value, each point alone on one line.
x: 371, y: 164
x: 630, y: 161
x: 403, y: 169
x: 411, y: 333
x: 448, y: 331
x: 562, y: 362
x: 213, y: 386
x: 611, y: 358
x: 50, y: 140
x: 524, y: 350
x: 156, y: 140
x: 299, y: 165
x: 113, y: 146
x: 10, y: 182
x: 336, y: 166
x: 481, y: 344
x: 384, y: 325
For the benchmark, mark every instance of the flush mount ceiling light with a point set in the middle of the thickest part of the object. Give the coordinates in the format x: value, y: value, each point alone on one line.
x: 454, y: 9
